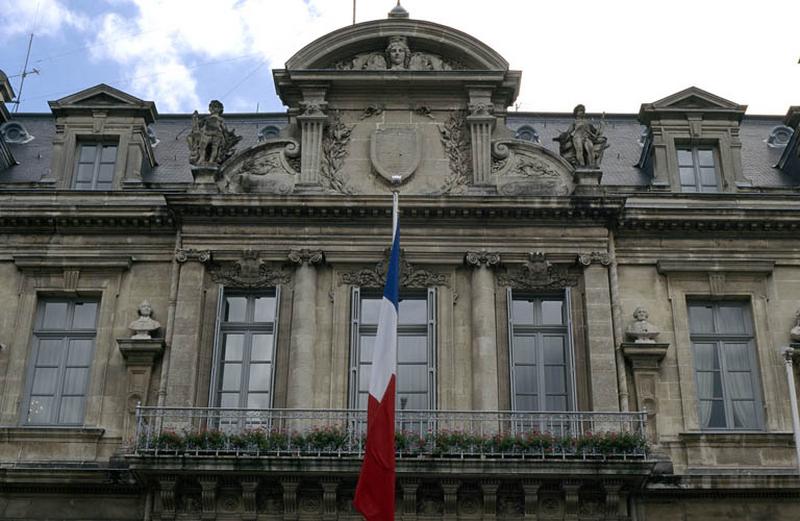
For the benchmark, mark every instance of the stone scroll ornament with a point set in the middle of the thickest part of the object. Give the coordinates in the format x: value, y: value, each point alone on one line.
x: 583, y: 143
x: 210, y: 142
x: 524, y: 168
x: 398, y: 57
x: 272, y: 166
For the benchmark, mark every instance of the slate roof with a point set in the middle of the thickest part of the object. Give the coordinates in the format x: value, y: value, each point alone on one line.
x: 619, y: 163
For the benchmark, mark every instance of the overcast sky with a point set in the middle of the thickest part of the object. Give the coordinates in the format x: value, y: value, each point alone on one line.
x: 610, y: 55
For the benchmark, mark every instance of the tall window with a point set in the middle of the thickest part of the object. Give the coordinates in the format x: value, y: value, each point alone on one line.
x: 58, y: 376
x: 245, y: 353
x: 541, y: 357
x: 95, y: 167
x: 698, y: 172
x: 416, y: 348
x: 724, y: 359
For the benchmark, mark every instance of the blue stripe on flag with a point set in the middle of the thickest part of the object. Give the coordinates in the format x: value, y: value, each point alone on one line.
x: 391, y: 291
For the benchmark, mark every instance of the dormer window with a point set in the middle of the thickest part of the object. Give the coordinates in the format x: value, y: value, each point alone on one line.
x: 95, y: 166
x: 697, y: 169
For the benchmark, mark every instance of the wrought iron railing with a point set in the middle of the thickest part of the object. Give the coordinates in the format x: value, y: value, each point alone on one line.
x: 205, y: 431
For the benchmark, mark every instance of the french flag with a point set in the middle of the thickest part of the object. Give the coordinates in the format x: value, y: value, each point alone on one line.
x: 374, y: 496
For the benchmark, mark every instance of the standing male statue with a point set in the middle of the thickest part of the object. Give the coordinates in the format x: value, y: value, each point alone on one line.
x: 210, y: 142
x: 583, y: 143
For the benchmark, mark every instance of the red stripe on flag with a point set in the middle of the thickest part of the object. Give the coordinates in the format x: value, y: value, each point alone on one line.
x: 374, y: 496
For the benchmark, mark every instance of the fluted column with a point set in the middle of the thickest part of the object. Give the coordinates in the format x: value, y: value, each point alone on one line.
x: 304, y: 329
x: 484, y: 330
x: 481, y: 124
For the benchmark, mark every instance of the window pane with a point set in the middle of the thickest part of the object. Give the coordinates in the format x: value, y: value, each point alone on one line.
x: 407, y: 401
x: 705, y: 157
x: 84, y: 175
x: 717, y: 415
x: 109, y: 154
x: 231, y: 377
x: 525, y: 379
x: 75, y: 381
x: 700, y: 319
x: 524, y: 350
x: 235, y: 309
x: 229, y: 400
x: 262, y: 348
x: 412, y: 349
x: 55, y: 315
x: 687, y: 176
x: 80, y: 353
x: 737, y: 357
x: 105, y: 174
x: 363, y: 377
x: 40, y: 409
x: 522, y: 311
x: 556, y: 403
x: 260, y: 375
x: 705, y: 357
x: 708, y: 177
x: 412, y: 378
x: 552, y: 312
x: 413, y: 311
x: 685, y: 157
x: 233, y: 347
x: 49, y: 352
x: 45, y: 380
x: 367, y: 343
x: 370, y: 307
x: 554, y: 350
x: 88, y: 153
x: 732, y: 319
x: 740, y: 385
x: 744, y: 415
x: 555, y: 380
x: 265, y: 309
x: 85, y: 315
x: 258, y: 401
x: 527, y: 402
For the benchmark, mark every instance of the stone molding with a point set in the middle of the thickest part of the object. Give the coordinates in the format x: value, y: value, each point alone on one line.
x: 140, y: 351
x: 539, y: 273
x: 644, y: 356
x: 726, y: 266
x: 410, y: 275
x: 71, y: 263
x: 248, y: 272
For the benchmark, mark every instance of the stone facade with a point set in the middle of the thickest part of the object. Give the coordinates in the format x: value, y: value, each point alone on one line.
x: 300, y: 218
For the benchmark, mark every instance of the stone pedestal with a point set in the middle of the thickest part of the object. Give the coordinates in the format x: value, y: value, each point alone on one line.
x: 585, y: 176
x: 139, y: 354
x: 205, y: 177
x: 645, y: 359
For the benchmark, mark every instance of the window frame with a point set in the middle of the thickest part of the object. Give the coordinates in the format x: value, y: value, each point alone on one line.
x: 221, y: 328
x: 694, y: 150
x: 566, y: 329
x: 100, y: 145
x: 719, y: 339
x: 357, y: 293
x: 66, y: 335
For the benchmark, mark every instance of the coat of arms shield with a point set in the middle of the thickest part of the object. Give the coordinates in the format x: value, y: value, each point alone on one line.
x: 396, y: 151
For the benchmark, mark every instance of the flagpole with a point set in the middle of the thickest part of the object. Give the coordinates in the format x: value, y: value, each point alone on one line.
x: 395, y: 203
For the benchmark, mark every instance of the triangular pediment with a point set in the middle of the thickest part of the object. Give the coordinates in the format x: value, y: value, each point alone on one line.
x: 104, y: 97
x: 691, y: 100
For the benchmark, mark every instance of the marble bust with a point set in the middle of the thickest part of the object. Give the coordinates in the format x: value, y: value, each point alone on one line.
x: 640, y: 330
x: 144, y: 325
x: 794, y: 334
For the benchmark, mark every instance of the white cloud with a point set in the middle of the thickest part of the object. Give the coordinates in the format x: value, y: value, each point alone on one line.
x: 44, y: 17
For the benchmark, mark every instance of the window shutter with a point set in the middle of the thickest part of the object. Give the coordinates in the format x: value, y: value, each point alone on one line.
x: 217, y: 356
x: 432, y: 348
x: 355, y: 323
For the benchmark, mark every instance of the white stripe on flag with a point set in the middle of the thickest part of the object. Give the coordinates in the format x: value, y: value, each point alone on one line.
x: 384, y: 359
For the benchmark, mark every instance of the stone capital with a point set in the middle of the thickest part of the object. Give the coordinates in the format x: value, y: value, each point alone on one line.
x: 599, y: 257
x: 483, y: 258
x: 190, y: 254
x: 306, y: 257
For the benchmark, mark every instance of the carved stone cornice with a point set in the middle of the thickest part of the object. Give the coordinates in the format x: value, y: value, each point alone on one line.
x: 248, y: 272
x: 306, y: 256
x: 410, y: 276
x: 539, y: 273
x: 599, y: 257
x: 644, y: 356
x: 190, y: 254
x: 477, y: 259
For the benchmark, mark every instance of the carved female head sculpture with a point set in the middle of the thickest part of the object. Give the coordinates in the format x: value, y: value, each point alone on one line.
x: 215, y: 107
x: 398, y: 53
x: 579, y: 111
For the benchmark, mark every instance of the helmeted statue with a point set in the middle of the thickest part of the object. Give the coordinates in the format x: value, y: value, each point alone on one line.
x: 210, y: 142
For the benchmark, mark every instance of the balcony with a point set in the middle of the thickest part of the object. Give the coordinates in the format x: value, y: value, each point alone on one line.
x: 167, y: 432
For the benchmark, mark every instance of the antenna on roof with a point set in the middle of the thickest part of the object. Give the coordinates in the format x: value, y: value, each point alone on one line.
x: 24, y: 74
x: 354, y: 12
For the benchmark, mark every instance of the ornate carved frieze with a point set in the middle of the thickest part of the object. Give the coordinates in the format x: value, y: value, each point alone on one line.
x: 526, y: 168
x: 335, y: 141
x: 455, y: 137
x: 306, y: 256
x: 247, y: 272
x: 599, y: 257
x: 397, y: 56
x: 184, y: 255
x: 482, y: 258
x: 539, y: 273
x: 410, y: 276
x: 271, y: 167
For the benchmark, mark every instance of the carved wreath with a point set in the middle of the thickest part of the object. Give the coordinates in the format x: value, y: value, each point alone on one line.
x: 410, y: 277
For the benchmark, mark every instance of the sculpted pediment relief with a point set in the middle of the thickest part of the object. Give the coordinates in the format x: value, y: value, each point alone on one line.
x: 525, y: 168
x: 270, y: 167
x: 397, y: 56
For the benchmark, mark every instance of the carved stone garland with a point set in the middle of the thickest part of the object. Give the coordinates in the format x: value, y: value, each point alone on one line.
x: 539, y: 273
x: 410, y: 277
x: 334, y: 150
x: 248, y: 272
x: 455, y: 138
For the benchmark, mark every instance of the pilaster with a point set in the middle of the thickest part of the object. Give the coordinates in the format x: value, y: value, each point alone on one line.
x: 484, y: 330
x: 312, y: 124
x: 481, y: 121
